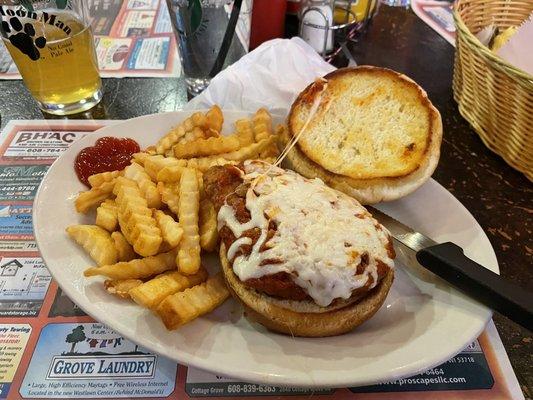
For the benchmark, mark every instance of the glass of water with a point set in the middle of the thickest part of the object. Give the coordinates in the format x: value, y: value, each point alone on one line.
x: 211, y: 35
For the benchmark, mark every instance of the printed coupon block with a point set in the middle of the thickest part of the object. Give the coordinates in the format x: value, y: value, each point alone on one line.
x: 16, y: 222
x: 468, y: 370
x: 89, y: 360
x: 112, y: 53
x: 13, y: 340
x: 162, y: 22
x: 150, y: 53
x: 20, y: 182
x: 38, y: 144
x: 137, y: 23
x: 18, y: 245
x: 24, y: 282
x: 204, y: 384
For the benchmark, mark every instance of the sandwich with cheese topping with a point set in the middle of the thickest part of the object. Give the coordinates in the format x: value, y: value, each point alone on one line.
x: 369, y: 132
x: 304, y: 259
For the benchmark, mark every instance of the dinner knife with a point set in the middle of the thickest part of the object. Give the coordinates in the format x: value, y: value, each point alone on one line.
x: 448, y: 261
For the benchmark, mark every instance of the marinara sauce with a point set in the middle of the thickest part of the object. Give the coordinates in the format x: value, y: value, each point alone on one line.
x: 108, y: 154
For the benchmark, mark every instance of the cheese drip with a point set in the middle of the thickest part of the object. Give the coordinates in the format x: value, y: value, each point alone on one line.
x: 320, y: 238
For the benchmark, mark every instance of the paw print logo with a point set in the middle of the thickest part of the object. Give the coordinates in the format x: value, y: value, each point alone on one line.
x: 24, y: 39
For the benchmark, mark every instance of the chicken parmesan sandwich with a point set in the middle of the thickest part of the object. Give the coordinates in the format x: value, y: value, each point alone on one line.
x: 304, y: 259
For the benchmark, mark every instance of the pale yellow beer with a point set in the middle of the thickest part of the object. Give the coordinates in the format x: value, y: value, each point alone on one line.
x: 64, y: 77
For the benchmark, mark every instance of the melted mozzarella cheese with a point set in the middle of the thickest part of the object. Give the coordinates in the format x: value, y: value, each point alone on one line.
x: 320, y: 238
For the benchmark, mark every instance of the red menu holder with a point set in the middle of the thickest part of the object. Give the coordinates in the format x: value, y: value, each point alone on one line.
x: 268, y: 21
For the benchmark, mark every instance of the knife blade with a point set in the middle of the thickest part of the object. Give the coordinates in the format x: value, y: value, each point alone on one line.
x: 448, y: 261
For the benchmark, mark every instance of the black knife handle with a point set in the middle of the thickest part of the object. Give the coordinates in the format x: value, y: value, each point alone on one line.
x: 448, y: 261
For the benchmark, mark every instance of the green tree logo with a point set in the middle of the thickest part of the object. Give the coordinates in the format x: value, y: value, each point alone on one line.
x: 76, y: 336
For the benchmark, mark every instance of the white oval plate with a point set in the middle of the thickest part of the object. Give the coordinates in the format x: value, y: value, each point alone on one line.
x: 423, y: 322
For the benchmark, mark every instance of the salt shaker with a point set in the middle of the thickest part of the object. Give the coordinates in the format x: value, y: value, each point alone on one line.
x: 316, y: 19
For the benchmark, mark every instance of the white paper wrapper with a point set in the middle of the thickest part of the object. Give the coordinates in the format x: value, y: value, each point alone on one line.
x: 486, y: 34
x: 518, y: 51
x: 271, y: 76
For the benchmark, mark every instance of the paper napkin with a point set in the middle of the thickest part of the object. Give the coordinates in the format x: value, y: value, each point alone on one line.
x: 271, y: 76
x: 518, y: 51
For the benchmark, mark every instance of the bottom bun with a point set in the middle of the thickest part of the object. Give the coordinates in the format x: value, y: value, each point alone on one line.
x: 260, y: 308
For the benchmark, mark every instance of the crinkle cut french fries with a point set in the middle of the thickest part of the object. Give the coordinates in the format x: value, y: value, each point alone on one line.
x: 170, y: 195
x: 208, y: 226
x: 182, y: 307
x: 153, y: 220
x: 136, y: 269
x: 189, y: 205
x: 125, y: 250
x: 98, y: 179
x: 206, y: 147
x: 148, y: 188
x: 121, y: 287
x: 107, y: 215
x: 170, y: 229
x: 154, y: 291
x: 95, y: 241
x: 92, y: 198
x: 135, y: 218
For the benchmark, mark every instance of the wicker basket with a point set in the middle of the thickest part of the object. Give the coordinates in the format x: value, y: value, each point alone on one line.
x: 495, y: 97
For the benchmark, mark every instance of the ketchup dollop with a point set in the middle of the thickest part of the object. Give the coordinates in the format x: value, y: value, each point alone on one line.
x: 108, y: 154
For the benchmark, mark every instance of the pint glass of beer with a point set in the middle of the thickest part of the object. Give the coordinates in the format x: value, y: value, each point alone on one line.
x: 51, y: 42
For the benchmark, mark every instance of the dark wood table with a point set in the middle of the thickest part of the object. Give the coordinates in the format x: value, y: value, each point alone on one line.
x: 499, y: 197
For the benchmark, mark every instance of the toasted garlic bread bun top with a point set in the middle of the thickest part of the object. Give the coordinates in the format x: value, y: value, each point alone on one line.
x: 324, y: 239
x: 371, y: 123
